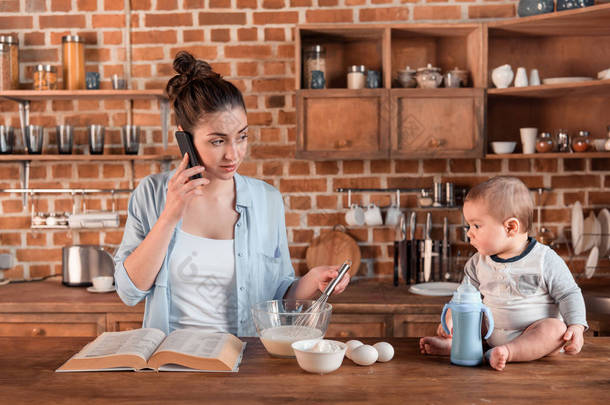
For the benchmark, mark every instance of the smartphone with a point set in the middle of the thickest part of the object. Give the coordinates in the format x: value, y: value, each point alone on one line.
x: 185, y: 142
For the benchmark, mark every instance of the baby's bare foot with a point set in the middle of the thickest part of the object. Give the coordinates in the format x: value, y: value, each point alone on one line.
x: 435, y: 345
x: 498, y: 357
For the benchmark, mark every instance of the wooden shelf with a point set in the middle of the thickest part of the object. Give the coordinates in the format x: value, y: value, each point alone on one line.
x: 42, y: 95
x: 80, y: 158
x: 591, y: 88
x: 582, y: 155
x: 593, y: 20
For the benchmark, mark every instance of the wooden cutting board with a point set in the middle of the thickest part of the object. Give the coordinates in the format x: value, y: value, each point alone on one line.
x: 333, y: 248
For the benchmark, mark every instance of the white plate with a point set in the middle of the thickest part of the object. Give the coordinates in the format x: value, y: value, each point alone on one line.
x: 95, y: 290
x: 577, y: 223
x: 604, y: 241
x: 441, y: 288
x: 591, y: 262
x: 590, y: 232
x: 561, y: 80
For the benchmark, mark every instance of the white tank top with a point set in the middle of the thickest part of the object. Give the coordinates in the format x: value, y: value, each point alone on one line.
x: 203, y: 287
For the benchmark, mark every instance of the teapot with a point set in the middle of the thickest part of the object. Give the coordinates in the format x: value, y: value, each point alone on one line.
x: 467, y: 312
x: 429, y: 77
x: 502, y: 76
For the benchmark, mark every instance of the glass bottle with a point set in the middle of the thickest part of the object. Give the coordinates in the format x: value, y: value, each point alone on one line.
x: 314, y: 58
x: 5, y: 67
x: 13, y: 45
x: 73, y: 51
x: 581, y: 142
x: 544, y: 143
x: 563, y: 141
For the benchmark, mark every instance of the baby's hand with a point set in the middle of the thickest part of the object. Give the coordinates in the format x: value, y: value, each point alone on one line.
x: 574, y: 339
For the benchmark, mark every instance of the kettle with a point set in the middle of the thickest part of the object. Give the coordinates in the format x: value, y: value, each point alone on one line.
x: 467, y: 311
x: 81, y: 263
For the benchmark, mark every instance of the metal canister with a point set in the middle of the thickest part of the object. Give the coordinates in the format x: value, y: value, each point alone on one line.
x: 73, y: 51
x: 13, y: 46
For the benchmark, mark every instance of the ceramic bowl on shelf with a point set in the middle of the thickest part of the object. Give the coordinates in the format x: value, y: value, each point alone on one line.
x: 501, y: 148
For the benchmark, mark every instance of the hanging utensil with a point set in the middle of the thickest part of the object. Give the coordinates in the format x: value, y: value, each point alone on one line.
x: 427, y: 248
x: 410, y: 250
x: 446, y: 271
x: 398, y: 239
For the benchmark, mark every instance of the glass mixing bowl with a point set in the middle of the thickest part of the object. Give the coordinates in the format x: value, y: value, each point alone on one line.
x: 279, y: 323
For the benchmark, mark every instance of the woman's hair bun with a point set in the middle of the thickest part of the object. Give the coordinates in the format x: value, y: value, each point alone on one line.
x: 193, y: 69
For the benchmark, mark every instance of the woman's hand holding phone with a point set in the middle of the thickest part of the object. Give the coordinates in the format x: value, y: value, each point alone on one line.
x: 181, y: 189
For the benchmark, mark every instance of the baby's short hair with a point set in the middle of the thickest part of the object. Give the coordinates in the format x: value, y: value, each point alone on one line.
x: 505, y: 197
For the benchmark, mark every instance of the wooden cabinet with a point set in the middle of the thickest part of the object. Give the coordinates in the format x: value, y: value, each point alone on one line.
x: 446, y: 123
x: 116, y: 322
x: 573, y: 43
x: 342, y: 124
x: 358, y: 325
x: 436, y: 123
x: 52, y: 324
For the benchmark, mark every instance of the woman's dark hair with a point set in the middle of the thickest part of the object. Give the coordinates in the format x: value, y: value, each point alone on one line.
x: 197, y: 90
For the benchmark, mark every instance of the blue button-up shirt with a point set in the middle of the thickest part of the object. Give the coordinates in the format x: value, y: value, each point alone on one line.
x: 263, y: 269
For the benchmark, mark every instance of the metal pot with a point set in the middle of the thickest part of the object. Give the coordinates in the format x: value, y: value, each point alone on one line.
x: 81, y: 263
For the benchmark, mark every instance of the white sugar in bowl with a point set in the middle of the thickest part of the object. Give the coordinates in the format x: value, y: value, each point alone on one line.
x: 319, y: 356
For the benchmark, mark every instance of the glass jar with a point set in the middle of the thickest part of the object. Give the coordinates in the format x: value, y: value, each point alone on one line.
x: 5, y: 68
x: 544, y: 143
x: 429, y: 77
x: 356, y: 77
x: 563, y: 141
x: 45, y: 77
x: 73, y: 51
x: 13, y: 45
x: 314, y: 58
x: 581, y: 142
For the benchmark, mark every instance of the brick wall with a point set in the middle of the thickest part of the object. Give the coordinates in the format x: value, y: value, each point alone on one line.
x: 252, y: 43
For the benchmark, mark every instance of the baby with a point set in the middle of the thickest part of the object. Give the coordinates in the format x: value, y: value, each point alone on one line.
x: 527, y: 286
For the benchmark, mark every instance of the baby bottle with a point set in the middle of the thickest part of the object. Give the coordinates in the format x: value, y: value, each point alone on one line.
x: 467, y: 314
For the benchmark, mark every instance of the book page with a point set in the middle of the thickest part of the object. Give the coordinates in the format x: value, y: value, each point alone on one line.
x: 194, y: 343
x: 139, y: 342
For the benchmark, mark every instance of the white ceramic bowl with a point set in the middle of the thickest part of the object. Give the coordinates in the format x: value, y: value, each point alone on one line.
x: 500, y: 148
x: 318, y: 362
x: 600, y: 145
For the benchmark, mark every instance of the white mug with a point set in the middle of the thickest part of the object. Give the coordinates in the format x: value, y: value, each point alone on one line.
x: 355, y: 216
x: 372, y: 215
x: 393, y: 215
x: 521, y: 77
x: 528, y: 139
x: 534, y: 78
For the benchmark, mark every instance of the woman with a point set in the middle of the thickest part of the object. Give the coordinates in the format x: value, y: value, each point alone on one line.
x: 203, y: 250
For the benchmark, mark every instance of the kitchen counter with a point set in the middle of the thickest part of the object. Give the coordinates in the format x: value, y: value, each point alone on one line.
x: 27, y: 376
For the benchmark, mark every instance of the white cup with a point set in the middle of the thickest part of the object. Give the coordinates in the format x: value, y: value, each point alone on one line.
x: 102, y: 282
x: 393, y: 215
x: 534, y: 78
x: 528, y: 139
x: 372, y: 215
x: 355, y: 216
x: 521, y: 77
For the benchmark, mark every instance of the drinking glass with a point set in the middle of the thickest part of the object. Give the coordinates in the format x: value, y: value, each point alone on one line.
x: 33, y: 139
x: 96, y: 139
x: 131, y: 139
x: 64, y: 137
x: 7, y: 139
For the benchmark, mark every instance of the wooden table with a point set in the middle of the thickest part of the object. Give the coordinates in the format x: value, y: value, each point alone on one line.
x: 27, y: 376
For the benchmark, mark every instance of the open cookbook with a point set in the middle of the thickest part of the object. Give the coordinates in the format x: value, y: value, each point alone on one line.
x: 147, y: 348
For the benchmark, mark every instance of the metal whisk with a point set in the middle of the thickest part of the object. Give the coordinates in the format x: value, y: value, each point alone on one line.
x: 309, y: 318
